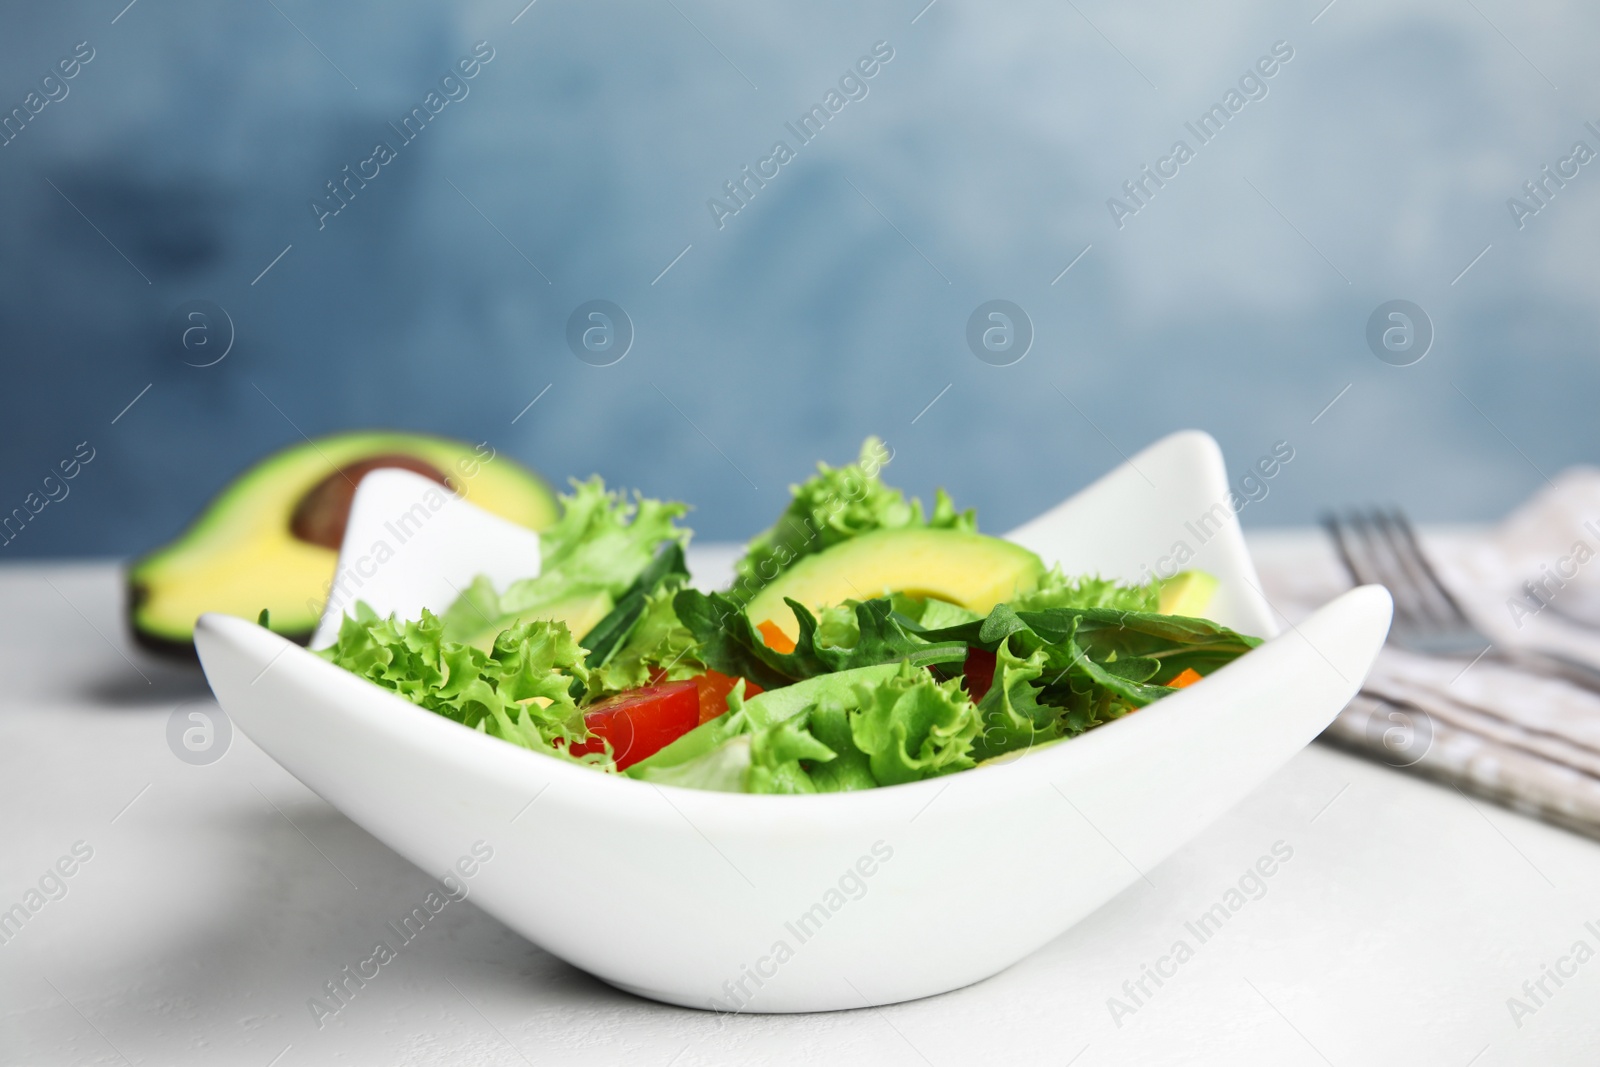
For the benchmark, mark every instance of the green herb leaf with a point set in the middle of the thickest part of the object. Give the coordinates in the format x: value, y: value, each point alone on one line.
x: 729, y: 641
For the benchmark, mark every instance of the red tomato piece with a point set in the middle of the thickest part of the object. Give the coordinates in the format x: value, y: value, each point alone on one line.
x: 641, y: 722
x: 979, y: 669
x: 714, y: 689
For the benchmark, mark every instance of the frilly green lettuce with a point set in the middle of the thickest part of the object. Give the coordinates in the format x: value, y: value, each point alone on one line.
x: 1012, y: 714
x: 519, y: 691
x: 1057, y: 590
x: 602, y: 543
x: 834, y: 505
x: 912, y: 727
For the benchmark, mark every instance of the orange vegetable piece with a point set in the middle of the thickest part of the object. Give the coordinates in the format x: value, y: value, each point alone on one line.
x: 776, y: 639
x: 1188, y: 677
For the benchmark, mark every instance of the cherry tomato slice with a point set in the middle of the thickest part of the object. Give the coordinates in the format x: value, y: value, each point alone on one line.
x: 714, y: 689
x: 641, y: 722
x: 979, y: 669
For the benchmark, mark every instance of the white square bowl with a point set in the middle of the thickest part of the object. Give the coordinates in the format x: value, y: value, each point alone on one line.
x: 807, y: 903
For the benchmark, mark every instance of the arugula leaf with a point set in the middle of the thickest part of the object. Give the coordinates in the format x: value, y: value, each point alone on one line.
x: 834, y: 505
x: 840, y: 717
x: 729, y: 642
x: 837, y: 625
x: 1176, y: 641
x: 1099, y: 662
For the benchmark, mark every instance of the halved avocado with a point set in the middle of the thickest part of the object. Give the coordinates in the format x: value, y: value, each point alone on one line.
x: 968, y: 569
x: 270, y: 539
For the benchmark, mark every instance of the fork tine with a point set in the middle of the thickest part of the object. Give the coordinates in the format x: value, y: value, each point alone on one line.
x: 1407, y: 573
x: 1336, y: 532
x: 1407, y: 540
x: 1385, y: 568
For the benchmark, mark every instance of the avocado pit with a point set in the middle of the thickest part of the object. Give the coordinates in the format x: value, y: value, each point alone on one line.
x: 323, y: 512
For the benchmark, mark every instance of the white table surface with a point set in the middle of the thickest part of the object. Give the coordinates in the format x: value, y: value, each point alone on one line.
x: 220, y: 898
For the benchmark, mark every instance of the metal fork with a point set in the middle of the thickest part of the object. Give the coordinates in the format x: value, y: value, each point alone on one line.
x: 1380, y: 547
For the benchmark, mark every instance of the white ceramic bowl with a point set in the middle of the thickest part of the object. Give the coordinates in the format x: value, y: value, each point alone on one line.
x: 763, y: 903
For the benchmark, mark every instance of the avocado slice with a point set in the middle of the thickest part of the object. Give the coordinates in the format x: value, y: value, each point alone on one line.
x: 967, y: 569
x: 270, y: 539
x: 1187, y: 593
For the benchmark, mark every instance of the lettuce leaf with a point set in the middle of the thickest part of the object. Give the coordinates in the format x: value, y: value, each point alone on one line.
x: 834, y: 505
x: 931, y: 614
x: 869, y: 727
x: 1056, y: 590
x: 518, y: 691
x: 665, y: 573
x: 859, y: 729
x: 912, y: 727
x: 850, y: 768
x: 720, y: 769
x: 642, y: 638
x: 775, y: 755
x: 657, y: 645
x: 602, y: 543
x: 1011, y: 712
x: 762, y: 739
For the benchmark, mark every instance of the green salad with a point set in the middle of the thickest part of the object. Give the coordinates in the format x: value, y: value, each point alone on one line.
x: 865, y: 642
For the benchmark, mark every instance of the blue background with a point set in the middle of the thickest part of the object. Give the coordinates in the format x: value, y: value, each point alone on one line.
x: 186, y: 155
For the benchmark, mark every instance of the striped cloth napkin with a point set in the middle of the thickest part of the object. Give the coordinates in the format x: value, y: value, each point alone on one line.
x: 1528, y: 742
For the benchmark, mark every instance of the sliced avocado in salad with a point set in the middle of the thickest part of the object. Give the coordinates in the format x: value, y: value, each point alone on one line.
x: 835, y: 505
x: 884, y: 649
x: 1186, y: 593
x: 954, y: 566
